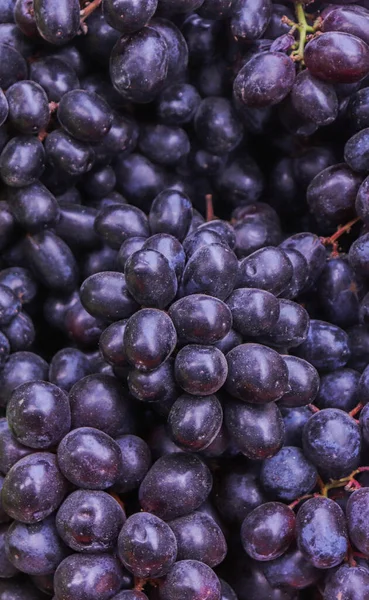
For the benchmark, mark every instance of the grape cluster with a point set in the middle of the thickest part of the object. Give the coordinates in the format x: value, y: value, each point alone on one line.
x: 184, y: 300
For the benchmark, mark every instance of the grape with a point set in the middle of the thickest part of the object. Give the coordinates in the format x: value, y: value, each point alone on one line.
x: 149, y: 339
x: 89, y: 458
x: 10, y: 305
x: 164, y: 144
x: 358, y: 255
x: 13, y: 66
x: 202, y: 38
x: 115, y: 224
x: 338, y: 292
x: 199, y: 538
x: 358, y: 110
x: 165, y: 482
x: 34, y: 207
x: 147, y: 546
x: 177, y: 104
x: 352, y: 20
x: 22, y: 161
x: 326, y: 346
x: 256, y: 374
x: 257, y: 430
x: 268, y: 269
x: 310, y: 246
x: 21, y: 367
x: 265, y: 80
x: 192, y: 578
x: 337, y: 57
x: 194, y: 423
x: 171, y: 212
x: 331, y: 439
x: 90, y: 521
x: 314, y: 99
x: 55, y: 76
x: 133, y: 58
x: 303, y: 380
x: 339, y: 389
x: 357, y: 151
x: 127, y: 16
x: 84, y: 577
x: 292, y: 326
x: 84, y: 115
x: 288, y: 475
x: 200, y: 370
x: 352, y: 582
x: 28, y: 107
x: 67, y: 367
x: 217, y: 125
x: 177, y: 47
x: 156, y: 386
x: 211, y: 270
x: 34, y: 549
x: 38, y: 414
x: 255, y: 312
x: 33, y: 488
x: 267, y: 531
x: 66, y: 153
x: 291, y: 570
x: 150, y: 278
x: 249, y: 20
x: 57, y: 22
x: 201, y: 319
x: 136, y: 461
x: 105, y: 296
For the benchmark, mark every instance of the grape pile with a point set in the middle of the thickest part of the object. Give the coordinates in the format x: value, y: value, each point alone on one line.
x: 184, y: 300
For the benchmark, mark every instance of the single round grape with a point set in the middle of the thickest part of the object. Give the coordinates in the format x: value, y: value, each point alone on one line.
x: 237, y: 492
x: 257, y: 430
x: 90, y: 521
x: 35, y: 549
x: 211, y: 270
x: 194, y: 423
x: 264, y: 80
x: 13, y: 66
x: 68, y: 154
x: 200, y: 370
x: 321, y: 532
x: 164, y: 144
x: 149, y: 339
x: 89, y: 458
x: 154, y: 386
x: 177, y: 104
x: 339, y: 389
x: 314, y: 99
x: 268, y: 530
x: 199, y: 538
x: 84, y: 115
x: 288, y: 475
x: 171, y: 212
x: 127, y: 16
x: 136, y: 461
x: 22, y: 161
x: 84, y: 577
x: 255, y: 312
x: 68, y: 366
x: 39, y: 414
x: 217, y: 125
x: 57, y: 22
x: 356, y: 151
x: 170, y: 247
x: 303, y: 380
x: 33, y: 488
x: 249, y: 20
x: 28, y: 107
x: 105, y: 296
x: 331, y: 440
x: 170, y: 478
x: 200, y: 319
x: 326, y: 346
x: 338, y: 292
x: 268, y: 269
x: 190, y: 578
x: 291, y: 569
x: 337, y: 57
x: 177, y: 47
x: 116, y: 224
x: 54, y: 75
x: 348, y: 581
x: 10, y: 305
x: 139, y: 65
x: 147, y: 546
x: 150, y: 278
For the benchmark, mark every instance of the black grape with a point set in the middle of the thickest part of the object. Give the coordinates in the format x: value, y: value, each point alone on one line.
x: 194, y: 423
x: 192, y: 578
x: 288, y: 475
x: 55, y: 76
x: 199, y: 538
x: 95, y: 577
x: 22, y: 161
x: 57, y: 21
x: 126, y: 16
x: 268, y: 530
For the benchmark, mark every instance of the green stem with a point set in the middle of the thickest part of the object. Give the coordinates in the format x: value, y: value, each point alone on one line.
x: 304, y: 29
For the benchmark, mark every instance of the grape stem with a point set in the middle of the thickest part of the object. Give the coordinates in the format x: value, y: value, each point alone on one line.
x: 349, y: 483
x: 209, y: 208
x: 89, y: 9
x: 332, y: 240
x: 356, y: 410
x: 314, y: 409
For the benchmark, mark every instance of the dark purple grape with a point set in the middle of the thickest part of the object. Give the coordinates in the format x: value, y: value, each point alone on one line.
x: 171, y: 212
x: 257, y: 431
x: 194, y: 423
x: 33, y: 488
x: 217, y: 125
x: 348, y: 19
x: 20, y: 281
x: 190, y: 578
x: 265, y: 79
x: 200, y: 319
x: 170, y: 247
x: 249, y: 19
x: 237, y: 493
x: 256, y: 374
x: 339, y: 389
x: 170, y: 478
x: 149, y: 339
x: 310, y: 246
x: 202, y: 38
x: 84, y: 577
x: 314, y: 100
x: 223, y: 229
x: 117, y: 223
x: 200, y: 370
x: 57, y: 21
x: 352, y: 582
x: 154, y: 386
x: 339, y: 292
x: 177, y: 104
x: 99, y: 401
x: 28, y: 107
x: 54, y: 75
x: 13, y: 66
x: 52, y: 261
x: 326, y: 346
x: 89, y: 458
x: 255, y: 312
x: 22, y: 161
x: 150, y: 278
x: 337, y: 57
x: 268, y: 530
x: 35, y: 549
x: 85, y: 115
x: 136, y: 461
x: 68, y: 366
x: 199, y: 538
x: 357, y: 151
x: 356, y: 512
x: 211, y: 270
x: 177, y: 47
x: 105, y: 296
x: 267, y: 269
x: 127, y: 16
x: 331, y: 440
x: 147, y: 546
x: 164, y: 144
x: 303, y: 380
x: 68, y: 154
x: 321, y: 532
x: 90, y: 521
x: 34, y: 207
x: 288, y: 475
x: 18, y: 590
x: 139, y: 65
x: 39, y: 414
x: 20, y: 332
x: 21, y: 367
